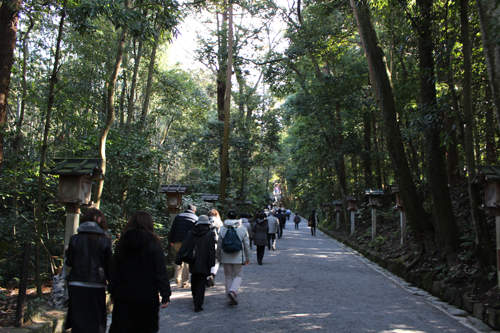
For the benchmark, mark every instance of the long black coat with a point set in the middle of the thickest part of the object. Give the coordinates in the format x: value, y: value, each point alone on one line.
x: 203, y: 238
x: 138, y: 273
x: 260, y: 229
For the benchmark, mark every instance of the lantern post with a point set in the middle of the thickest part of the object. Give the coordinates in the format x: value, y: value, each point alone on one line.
x: 353, y: 206
x: 174, y: 198
x: 326, y: 207
x: 373, y: 201
x: 489, y: 175
x: 75, y: 187
x: 338, y: 210
x: 402, y: 214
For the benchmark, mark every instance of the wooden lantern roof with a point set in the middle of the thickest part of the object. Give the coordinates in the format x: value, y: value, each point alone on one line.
x: 210, y: 197
x: 77, y: 167
x: 181, y: 189
x: 374, y: 192
x: 486, y: 173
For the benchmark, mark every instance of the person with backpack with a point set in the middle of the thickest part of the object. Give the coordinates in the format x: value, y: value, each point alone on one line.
x: 233, y: 252
x: 201, y: 239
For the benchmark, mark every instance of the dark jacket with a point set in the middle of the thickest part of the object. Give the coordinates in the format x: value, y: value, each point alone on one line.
x: 202, y: 238
x: 260, y: 230
x: 282, y: 219
x: 139, y: 271
x: 181, y: 225
x: 89, y: 254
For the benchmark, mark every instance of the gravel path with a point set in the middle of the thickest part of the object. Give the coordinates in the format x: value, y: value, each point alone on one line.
x: 309, y: 283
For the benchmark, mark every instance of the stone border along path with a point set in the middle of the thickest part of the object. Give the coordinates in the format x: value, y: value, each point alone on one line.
x: 315, y: 283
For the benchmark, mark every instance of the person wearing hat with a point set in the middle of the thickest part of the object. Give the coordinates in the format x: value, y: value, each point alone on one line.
x: 202, y: 238
x: 182, y: 223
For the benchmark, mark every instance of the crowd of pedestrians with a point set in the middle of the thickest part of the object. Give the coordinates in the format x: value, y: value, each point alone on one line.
x: 136, y: 273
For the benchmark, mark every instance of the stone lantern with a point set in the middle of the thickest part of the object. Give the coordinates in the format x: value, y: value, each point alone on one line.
x: 402, y: 214
x: 489, y: 175
x: 174, y: 197
x: 374, y: 196
x: 212, y: 198
x: 75, y: 187
x: 326, y: 207
x: 352, y: 207
x: 338, y: 210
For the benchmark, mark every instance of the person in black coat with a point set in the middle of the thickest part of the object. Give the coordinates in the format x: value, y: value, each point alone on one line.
x: 202, y: 239
x: 138, y: 273
x: 282, y: 218
x: 260, y: 229
x: 89, y: 256
x: 181, y: 225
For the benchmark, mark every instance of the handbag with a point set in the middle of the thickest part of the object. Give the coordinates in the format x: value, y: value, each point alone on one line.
x: 189, y: 256
x: 309, y: 223
x: 60, y: 289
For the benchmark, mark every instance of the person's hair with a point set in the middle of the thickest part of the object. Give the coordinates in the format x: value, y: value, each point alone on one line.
x: 262, y: 216
x: 214, y: 212
x: 191, y: 207
x: 232, y: 214
x: 140, y: 220
x: 279, y: 211
x: 97, y: 216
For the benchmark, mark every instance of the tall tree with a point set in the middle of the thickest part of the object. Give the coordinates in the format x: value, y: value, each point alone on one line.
x: 444, y: 219
x: 484, y: 248
x: 227, y: 107
x: 489, y: 20
x: 9, y: 16
x: 50, y: 103
x: 417, y: 216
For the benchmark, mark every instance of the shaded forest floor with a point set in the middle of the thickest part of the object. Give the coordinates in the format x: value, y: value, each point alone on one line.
x: 465, y: 278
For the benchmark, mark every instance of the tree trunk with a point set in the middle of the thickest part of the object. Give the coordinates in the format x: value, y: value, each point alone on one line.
x: 9, y: 16
x: 43, y: 154
x: 19, y: 122
x: 227, y: 109
x: 110, y: 116
x: 489, y: 20
x: 417, y: 216
x: 131, y: 98
x: 367, y: 154
x: 444, y: 219
x: 145, y: 108
x: 484, y: 247
x: 489, y: 130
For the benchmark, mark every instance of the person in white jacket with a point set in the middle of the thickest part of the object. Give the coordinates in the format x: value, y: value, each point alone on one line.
x: 233, y: 262
x: 216, y: 222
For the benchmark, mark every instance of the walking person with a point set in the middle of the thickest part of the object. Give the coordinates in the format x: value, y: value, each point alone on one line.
x: 181, y: 225
x: 273, y: 224
x: 89, y: 256
x: 296, y: 219
x: 234, y: 233
x: 202, y: 239
x: 282, y: 219
x: 288, y: 213
x: 246, y: 223
x: 216, y: 223
x: 261, y: 230
x: 313, y: 222
x: 138, y: 273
